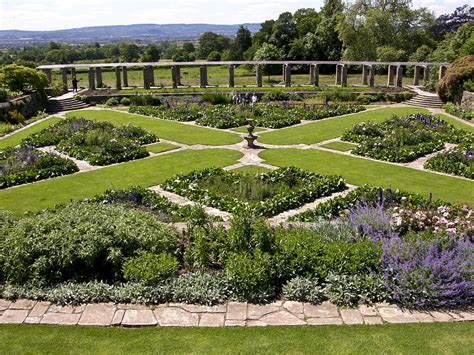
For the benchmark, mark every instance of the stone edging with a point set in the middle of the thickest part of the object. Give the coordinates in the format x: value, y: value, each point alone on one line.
x: 279, y: 313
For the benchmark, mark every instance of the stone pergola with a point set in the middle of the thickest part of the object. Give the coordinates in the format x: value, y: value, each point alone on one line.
x: 394, y: 71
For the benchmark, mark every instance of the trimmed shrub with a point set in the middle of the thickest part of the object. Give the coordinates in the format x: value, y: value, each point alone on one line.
x: 125, y: 101
x: 112, y: 102
x: 150, y: 268
x: 80, y: 241
x: 216, y: 98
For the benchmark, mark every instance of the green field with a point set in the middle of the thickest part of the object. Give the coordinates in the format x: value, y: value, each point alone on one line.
x: 144, y: 172
x: 160, y: 147
x: 15, y: 138
x: 341, y: 146
x: 437, y: 338
x: 169, y: 130
x: 358, y: 171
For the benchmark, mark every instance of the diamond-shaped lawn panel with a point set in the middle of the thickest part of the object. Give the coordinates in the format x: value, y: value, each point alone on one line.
x: 267, y: 194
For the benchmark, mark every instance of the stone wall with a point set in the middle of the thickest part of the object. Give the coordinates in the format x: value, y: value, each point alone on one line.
x: 467, y: 101
x: 27, y: 105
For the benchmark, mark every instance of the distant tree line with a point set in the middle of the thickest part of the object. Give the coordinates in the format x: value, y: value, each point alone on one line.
x: 385, y: 30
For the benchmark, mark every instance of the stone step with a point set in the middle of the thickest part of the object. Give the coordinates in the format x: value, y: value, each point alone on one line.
x: 68, y: 104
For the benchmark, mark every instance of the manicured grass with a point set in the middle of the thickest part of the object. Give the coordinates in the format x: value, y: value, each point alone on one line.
x: 16, y: 138
x: 459, y: 124
x: 342, y: 146
x: 436, y: 338
x: 160, y: 147
x: 169, y: 130
x: 243, y: 129
x: 250, y: 169
x: 360, y: 171
x: 145, y: 172
x: 331, y: 128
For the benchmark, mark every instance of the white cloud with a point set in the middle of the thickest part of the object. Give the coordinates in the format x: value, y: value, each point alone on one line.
x: 59, y: 14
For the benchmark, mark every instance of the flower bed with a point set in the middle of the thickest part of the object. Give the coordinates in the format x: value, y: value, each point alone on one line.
x: 404, y: 139
x: 454, y: 161
x: 100, y: 143
x: 229, y: 116
x: 267, y: 194
x: 25, y: 164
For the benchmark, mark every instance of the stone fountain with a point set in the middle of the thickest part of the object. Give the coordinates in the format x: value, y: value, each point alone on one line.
x: 250, y: 138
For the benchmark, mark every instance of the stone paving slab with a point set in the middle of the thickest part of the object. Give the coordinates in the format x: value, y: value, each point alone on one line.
x: 231, y: 314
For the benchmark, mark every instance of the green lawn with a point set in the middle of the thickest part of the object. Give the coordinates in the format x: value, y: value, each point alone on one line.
x: 16, y: 138
x: 169, y: 130
x: 160, y: 147
x: 250, y: 169
x: 342, y: 146
x: 243, y: 129
x: 360, y: 171
x: 144, y: 172
x: 436, y: 338
x: 319, y: 131
x: 463, y: 125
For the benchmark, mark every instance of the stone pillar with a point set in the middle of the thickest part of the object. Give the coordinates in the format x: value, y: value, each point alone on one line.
x: 314, y: 74
x: 151, y: 75
x: 287, y: 75
x: 178, y: 75
x: 73, y: 72
x: 416, y: 75
x: 49, y: 75
x: 91, y: 77
x: 203, y: 76
x: 338, y: 74
x: 399, y: 76
x: 98, y: 75
x: 372, y: 76
x: 283, y: 73
x: 118, y: 78
x: 231, y: 76
x: 365, y: 73
x: 344, y: 75
x: 146, y: 77
x: 258, y: 75
x: 174, y: 76
x: 64, y: 76
x: 391, y: 75
x: 426, y: 74
x: 442, y: 71
x: 125, y: 76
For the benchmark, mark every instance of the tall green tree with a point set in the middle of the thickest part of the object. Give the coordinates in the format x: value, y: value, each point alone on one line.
x: 284, y: 32
x: 241, y: 42
x: 210, y: 42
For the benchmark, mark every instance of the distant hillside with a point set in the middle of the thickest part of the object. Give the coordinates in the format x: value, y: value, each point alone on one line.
x: 145, y: 32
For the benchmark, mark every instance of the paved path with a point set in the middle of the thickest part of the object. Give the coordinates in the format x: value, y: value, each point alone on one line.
x: 231, y: 314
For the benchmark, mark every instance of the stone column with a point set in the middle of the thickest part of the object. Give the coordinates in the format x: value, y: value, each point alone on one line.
x: 125, y: 76
x: 49, y: 75
x: 287, y: 75
x: 442, y: 71
x: 372, y: 76
x: 98, y: 74
x: 174, y: 76
x: 416, y: 75
x: 344, y: 75
x: 258, y: 75
x: 64, y: 76
x: 146, y: 77
x: 151, y: 75
x: 426, y: 74
x: 399, y: 76
x: 178, y: 75
x: 118, y: 78
x: 231, y: 76
x: 283, y: 73
x: 91, y: 77
x: 73, y: 72
x: 391, y: 75
x: 365, y: 72
x: 314, y: 75
x: 203, y: 76
x: 338, y: 74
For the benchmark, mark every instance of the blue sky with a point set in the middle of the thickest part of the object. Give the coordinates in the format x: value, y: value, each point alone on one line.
x: 60, y: 14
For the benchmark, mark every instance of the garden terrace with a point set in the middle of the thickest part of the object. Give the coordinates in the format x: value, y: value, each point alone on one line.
x: 394, y: 71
